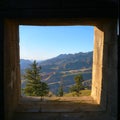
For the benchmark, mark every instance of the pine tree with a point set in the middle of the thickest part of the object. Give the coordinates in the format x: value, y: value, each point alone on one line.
x: 78, y: 84
x: 78, y: 80
x: 34, y: 85
x: 60, y: 89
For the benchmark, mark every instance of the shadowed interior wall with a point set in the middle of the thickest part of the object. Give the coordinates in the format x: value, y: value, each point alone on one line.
x: 11, y: 68
x: 87, y: 12
x: 1, y: 68
x: 105, y: 62
x: 110, y: 72
x: 104, y: 83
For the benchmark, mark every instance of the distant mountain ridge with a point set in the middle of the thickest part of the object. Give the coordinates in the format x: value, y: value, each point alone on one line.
x: 70, y: 57
x: 68, y: 62
x: 62, y: 58
x: 24, y: 63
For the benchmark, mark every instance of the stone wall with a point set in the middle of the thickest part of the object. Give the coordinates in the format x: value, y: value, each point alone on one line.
x: 104, y: 90
x: 110, y: 71
x: 105, y: 61
x: 1, y: 68
x: 11, y: 68
x: 105, y: 67
x: 97, y: 64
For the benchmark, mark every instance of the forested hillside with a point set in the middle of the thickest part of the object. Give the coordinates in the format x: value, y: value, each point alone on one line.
x: 62, y: 69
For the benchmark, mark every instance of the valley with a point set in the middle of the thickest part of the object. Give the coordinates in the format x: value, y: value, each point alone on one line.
x: 62, y: 70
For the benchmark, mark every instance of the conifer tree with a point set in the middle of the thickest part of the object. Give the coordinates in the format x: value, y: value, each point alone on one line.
x: 34, y: 85
x: 78, y: 84
x: 60, y: 89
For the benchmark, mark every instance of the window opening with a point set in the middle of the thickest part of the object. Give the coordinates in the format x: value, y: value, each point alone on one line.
x: 65, y: 54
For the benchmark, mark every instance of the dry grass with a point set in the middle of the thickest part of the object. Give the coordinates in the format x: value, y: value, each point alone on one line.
x: 82, y: 93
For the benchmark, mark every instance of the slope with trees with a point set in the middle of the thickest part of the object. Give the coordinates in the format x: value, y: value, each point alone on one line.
x: 78, y: 84
x: 34, y: 85
x: 65, y: 66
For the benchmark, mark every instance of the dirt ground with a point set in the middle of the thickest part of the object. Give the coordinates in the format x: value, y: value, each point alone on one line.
x: 57, y: 104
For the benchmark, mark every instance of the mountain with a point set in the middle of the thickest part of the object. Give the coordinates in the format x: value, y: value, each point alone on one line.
x: 63, y: 68
x: 24, y: 64
x: 65, y: 62
x: 69, y: 58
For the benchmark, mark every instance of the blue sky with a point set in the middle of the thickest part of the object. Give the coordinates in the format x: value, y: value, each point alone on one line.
x: 44, y: 42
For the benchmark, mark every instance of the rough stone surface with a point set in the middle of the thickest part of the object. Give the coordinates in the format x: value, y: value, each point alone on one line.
x: 64, y: 116
x: 104, y: 90
x: 105, y: 77
x: 97, y: 64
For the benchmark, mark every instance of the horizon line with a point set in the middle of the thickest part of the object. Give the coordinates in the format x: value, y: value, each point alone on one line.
x: 31, y: 59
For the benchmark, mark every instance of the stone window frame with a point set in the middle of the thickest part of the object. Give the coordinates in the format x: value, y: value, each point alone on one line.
x: 104, y: 65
